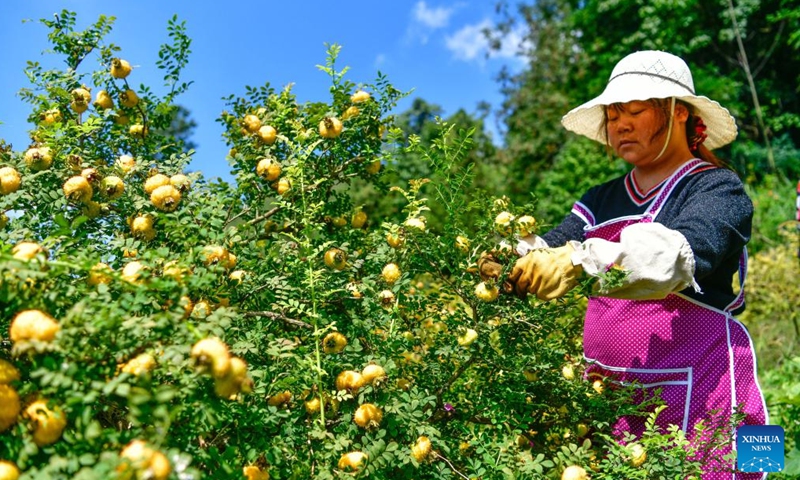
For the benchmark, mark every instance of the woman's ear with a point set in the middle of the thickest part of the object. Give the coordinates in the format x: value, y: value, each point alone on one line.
x: 681, y: 112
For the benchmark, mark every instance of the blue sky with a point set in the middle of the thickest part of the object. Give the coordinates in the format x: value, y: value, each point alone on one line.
x: 434, y: 48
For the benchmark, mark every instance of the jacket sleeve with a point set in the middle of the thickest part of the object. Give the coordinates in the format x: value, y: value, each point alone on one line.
x: 570, y: 229
x: 715, y: 215
x: 657, y: 261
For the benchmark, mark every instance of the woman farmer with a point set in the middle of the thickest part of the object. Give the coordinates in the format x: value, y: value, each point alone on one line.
x: 677, y: 225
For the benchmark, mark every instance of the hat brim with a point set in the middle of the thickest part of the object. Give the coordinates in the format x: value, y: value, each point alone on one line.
x: 589, y: 119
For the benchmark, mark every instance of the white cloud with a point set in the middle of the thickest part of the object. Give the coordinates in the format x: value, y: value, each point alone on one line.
x: 470, y: 43
x: 425, y: 20
x: 380, y: 60
x: 432, y: 18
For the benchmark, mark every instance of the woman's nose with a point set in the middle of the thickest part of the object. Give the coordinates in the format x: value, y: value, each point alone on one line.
x: 622, y: 125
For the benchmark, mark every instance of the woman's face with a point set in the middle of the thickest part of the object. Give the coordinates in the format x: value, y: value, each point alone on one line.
x: 636, y: 131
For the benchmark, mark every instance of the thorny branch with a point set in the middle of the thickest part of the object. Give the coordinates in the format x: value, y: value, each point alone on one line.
x: 281, y: 317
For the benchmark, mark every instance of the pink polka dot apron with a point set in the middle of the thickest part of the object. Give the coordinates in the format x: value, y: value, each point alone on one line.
x: 700, y: 357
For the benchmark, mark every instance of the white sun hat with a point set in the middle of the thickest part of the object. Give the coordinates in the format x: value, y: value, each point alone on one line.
x: 651, y: 74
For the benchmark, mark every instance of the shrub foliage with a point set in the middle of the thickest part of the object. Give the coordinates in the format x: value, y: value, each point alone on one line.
x: 157, y: 325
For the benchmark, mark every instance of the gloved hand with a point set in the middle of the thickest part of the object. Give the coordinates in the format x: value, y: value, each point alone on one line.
x: 489, y: 267
x: 547, y: 273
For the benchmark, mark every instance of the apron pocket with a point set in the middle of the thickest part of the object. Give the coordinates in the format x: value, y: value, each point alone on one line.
x: 675, y: 385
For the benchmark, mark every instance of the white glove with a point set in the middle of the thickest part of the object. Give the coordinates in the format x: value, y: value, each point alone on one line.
x: 659, y: 261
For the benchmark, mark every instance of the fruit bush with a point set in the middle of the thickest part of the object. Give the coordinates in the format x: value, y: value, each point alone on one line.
x: 156, y: 325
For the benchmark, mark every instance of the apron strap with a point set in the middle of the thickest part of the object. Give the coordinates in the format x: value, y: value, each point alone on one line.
x: 739, y: 300
x: 583, y: 213
x: 669, y: 186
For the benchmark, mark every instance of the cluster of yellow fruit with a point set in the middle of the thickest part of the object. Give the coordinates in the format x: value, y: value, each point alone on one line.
x: 9, y: 399
x: 142, y: 461
x: 219, y: 255
x: 331, y: 127
x: 229, y: 372
x: 79, y: 189
x: 9, y: 411
x: 367, y: 415
x: 357, y: 220
x: 9, y: 183
x: 139, y: 365
x: 270, y: 170
x: 574, y: 472
x: 391, y: 272
x: 46, y: 423
x: 165, y: 191
x: 8, y: 470
x: 351, y: 381
x: 31, y: 328
x: 354, y: 461
x: 635, y: 453
x: 120, y: 69
x: 255, y: 472
x: 505, y: 223
x: 81, y: 98
x: 142, y: 227
x: 252, y: 125
x: 267, y: 167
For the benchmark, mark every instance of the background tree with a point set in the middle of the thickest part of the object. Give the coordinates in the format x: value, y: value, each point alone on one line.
x: 181, y: 127
x: 422, y: 124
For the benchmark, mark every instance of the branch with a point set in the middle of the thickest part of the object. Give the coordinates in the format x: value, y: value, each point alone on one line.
x: 767, y: 56
x: 746, y: 66
x: 230, y: 219
x: 460, y: 371
x: 279, y: 316
x: 439, y: 456
x: 263, y: 217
